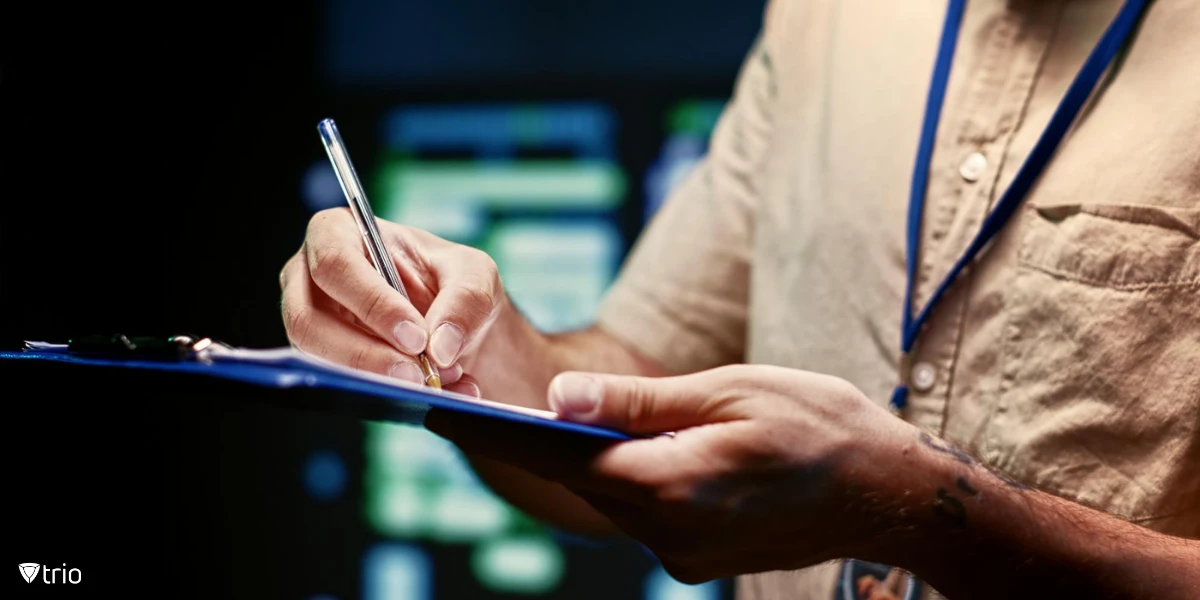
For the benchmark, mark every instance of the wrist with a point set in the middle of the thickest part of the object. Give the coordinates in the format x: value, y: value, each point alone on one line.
x: 889, y: 484
x: 512, y: 363
x: 939, y: 506
x: 935, y: 511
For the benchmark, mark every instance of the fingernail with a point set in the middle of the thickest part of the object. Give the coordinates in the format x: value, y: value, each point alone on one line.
x: 410, y: 336
x: 573, y: 394
x: 408, y: 371
x: 471, y: 390
x: 447, y: 341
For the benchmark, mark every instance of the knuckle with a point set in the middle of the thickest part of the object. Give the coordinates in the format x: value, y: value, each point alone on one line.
x: 324, y: 219
x: 297, y: 322
x: 673, y: 495
x: 493, y: 274
x: 843, y: 388
x: 735, y: 372
x: 479, y: 299
x: 679, y: 496
x: 732, y: 384
x: 489, y: 273
x: 670, y: 501
x: 637, y: 402
x: 487, y: 264
x: 327, y: 263
x: 478, y: 257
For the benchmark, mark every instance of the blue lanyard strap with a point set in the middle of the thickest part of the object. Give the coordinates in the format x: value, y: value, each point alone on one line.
x: 1077, y: 95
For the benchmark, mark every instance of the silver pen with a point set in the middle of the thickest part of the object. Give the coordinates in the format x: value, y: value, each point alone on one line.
x: 361, y: 208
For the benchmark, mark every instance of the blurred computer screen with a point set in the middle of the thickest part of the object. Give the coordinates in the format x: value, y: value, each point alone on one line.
x: 392, y: 44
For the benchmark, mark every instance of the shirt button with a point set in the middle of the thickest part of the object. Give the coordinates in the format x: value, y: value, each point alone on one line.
x: 923, y: 376
x: 973, y: 166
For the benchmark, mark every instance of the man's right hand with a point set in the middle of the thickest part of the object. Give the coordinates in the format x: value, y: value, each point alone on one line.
x: 337, y: 306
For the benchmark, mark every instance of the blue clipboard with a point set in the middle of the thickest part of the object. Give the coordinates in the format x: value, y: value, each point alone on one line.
x: 284, y: 368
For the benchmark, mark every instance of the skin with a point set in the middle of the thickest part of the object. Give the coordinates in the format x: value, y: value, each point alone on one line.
x: 769, y: 468
x: 335, y: 305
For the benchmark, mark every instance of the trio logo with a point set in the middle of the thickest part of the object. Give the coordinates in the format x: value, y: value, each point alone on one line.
x: 30, y: 572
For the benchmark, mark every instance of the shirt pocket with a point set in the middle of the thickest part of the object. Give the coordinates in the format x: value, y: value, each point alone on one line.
x: 1099, y: 398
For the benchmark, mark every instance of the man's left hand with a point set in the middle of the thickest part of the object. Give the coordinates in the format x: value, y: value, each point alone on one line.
x: 768, y: 468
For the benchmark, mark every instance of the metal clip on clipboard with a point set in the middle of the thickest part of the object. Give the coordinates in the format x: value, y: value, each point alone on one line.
x: 120, y: 346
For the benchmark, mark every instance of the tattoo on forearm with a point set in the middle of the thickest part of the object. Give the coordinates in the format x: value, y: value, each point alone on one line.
x: 962, y: 484
x: 950, y: 508
x: 945, y: 448
x: 946, y: 505
x: 962, y: 457
x: 1010, y: 482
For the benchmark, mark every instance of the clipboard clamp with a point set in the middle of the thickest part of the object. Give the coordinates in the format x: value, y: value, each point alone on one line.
x: 121, y: 346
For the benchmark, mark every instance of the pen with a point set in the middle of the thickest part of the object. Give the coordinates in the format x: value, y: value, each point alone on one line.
x: 357, y: 198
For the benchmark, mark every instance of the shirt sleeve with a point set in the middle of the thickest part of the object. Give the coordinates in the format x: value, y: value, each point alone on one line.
x: 681, y: 297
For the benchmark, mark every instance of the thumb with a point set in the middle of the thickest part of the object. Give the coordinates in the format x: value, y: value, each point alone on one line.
x: 640, y: 405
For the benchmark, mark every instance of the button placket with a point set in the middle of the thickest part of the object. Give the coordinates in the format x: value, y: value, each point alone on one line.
x: 963, y: 183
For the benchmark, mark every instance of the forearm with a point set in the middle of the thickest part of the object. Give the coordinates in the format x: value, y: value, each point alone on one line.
x: 515, y: 365
x: 973, y: 533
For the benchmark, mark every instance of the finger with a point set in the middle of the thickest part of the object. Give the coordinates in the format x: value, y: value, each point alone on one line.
x: 336, y: 340
x: 559, y: 456
x: 664, y: 466
x: 626, y: 516
x: 313, y: 326
x: 675, y: 547
x: 333, y: 249
x: 639, y: 522
x: 644, y: 405
x: 466, y: 385
x: 551, y: 454
x: 451, y: 374
x: 469, y: 293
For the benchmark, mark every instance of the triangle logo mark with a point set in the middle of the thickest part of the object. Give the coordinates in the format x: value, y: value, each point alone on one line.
x: 29, y: 571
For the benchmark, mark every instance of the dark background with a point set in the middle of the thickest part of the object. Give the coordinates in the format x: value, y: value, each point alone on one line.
x: 151, y: 184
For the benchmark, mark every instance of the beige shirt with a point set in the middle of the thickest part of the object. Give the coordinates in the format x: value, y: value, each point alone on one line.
x: 1068, y: 355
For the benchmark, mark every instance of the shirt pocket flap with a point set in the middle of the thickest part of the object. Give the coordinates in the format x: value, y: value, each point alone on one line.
x: 1115, y: 245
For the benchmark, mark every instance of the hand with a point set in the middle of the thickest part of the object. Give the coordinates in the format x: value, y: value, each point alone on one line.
x: 768, y: 468
x: 778, y: 469
x: 337, y: 306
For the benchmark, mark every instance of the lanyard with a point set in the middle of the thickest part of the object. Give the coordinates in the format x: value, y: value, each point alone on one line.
x: 1077, y: 94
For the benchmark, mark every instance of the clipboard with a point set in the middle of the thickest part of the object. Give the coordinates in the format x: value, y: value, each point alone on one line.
x: 375, y: 397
